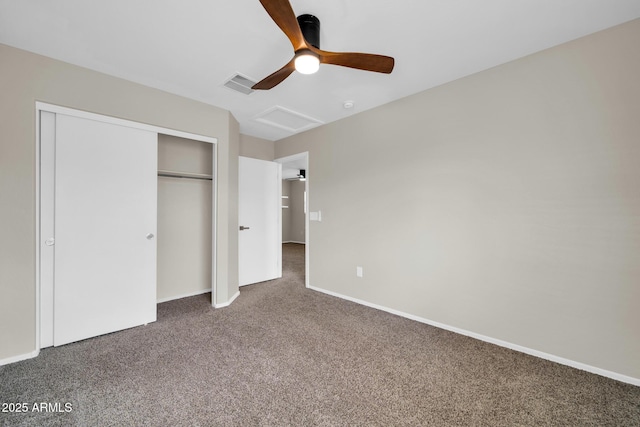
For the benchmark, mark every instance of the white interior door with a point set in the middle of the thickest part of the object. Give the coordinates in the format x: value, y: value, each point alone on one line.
x: 105, y: 226
x: 260, y: 220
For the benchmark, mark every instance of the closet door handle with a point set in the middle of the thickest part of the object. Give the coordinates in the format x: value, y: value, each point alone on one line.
x: 150, y: 236
x: 242, y: 228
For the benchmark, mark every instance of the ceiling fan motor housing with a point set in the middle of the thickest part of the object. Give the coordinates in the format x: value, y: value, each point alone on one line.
x: 310, y: 26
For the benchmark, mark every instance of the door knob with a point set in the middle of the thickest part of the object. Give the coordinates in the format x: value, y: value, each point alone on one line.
x: 242, y: 228
x: 150, y: 236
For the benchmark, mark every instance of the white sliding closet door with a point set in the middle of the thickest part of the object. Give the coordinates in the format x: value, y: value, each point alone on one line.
x: 105, y: 226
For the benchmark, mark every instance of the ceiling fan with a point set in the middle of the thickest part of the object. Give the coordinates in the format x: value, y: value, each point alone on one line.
x: 304, y: 34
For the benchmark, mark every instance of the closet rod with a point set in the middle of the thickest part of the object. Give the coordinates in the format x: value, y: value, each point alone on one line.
x: 170, y: 174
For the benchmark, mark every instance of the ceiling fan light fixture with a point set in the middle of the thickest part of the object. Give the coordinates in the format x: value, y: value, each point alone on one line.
x: 307, y: 63
x: 304, y: 34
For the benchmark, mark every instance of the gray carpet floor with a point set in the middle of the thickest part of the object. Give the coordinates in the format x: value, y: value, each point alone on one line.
x: 283, y: 355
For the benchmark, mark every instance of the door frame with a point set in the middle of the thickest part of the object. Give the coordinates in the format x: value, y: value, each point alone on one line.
x: 47, y: 210
x: 282, y: 160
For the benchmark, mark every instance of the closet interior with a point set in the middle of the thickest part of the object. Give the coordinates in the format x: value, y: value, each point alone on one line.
x: 185, y: 206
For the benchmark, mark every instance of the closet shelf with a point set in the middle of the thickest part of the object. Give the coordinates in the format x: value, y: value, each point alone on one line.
x: 191, y: 175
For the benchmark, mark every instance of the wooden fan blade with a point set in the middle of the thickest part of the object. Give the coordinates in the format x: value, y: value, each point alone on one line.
x: 276, y: 78
x: 283, y: 15
x: 361, y: 61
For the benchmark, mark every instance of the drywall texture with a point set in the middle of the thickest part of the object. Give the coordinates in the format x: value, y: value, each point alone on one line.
x: 286, y: 212
x: 505, y: 203
x: 296, y: 212
x: 256, y: 148
x: 184, y: 155
x: 26, y: 78
x: 293, y: 217
x: 184, y: 218
x: 231, y: 202
x: 184, y: 237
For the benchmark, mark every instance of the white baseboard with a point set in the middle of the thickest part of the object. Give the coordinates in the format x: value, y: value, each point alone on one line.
x: 511, y: 346
x: 228, y: 303
x: 19, y: 358
x: 191, y: 294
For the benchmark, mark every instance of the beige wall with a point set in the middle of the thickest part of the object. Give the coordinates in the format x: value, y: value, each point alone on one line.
x: 231, y: 202
x: 26, y: 78
x: 286, y: 212
x: 506, y: 203
x: 256, y: 148
x: 293, y: 218
x: 184, y: 155
x: 296, y: 212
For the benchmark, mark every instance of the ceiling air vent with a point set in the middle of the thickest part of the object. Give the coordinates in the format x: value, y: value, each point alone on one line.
x: 240, y: 84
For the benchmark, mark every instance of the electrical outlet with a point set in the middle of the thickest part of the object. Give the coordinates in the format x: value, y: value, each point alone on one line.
x: 359, y: 271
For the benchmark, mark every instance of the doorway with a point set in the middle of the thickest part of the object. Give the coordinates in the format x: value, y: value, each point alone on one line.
x: 295, y: 212
x: 259, y: 217
x: 185, y: 205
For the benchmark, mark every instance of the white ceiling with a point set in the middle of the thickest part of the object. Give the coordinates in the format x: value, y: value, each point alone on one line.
x: 191, y: 47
